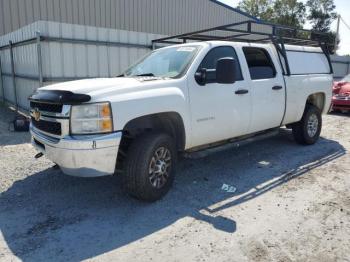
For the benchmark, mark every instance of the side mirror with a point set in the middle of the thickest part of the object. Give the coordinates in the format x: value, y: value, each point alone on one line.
x: 226, y: 70
x: 201, y: 77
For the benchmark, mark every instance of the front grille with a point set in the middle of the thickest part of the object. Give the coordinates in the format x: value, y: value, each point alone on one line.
x: 54, y: 108
x: 47, y: 126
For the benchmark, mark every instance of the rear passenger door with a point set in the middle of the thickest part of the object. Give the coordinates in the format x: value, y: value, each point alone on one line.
x: 267, y: 89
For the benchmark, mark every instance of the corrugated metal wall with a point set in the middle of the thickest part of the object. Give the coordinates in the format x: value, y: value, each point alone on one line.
x: 341, y: 66
x: 138, y: 21
x: 62, y: 60
x: 88, y: 60
x: 25, y: 61
x: 166, y: 17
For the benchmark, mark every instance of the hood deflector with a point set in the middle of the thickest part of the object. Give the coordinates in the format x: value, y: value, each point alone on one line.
x: 59, y: 97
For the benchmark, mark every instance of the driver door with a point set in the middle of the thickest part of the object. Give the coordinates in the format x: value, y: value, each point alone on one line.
x: 219, y: 111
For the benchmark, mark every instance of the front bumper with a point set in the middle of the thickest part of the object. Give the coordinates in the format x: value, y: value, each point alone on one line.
x: 341, y: 103
x: 83, y: 156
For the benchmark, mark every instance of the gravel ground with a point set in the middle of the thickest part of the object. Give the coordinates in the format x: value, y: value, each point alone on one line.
x: 287, y: 203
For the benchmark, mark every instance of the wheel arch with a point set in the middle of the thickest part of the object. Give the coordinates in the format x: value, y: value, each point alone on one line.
x: 318, y: 100
x: 169, y: 122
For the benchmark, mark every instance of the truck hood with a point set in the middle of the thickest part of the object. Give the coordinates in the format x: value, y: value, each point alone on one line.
x: 102, y: 89
x: 96, y: 85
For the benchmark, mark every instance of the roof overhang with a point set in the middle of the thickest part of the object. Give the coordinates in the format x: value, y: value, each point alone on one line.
x: 235, y: 10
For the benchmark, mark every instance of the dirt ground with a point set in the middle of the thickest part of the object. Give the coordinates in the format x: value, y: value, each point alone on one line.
x: 284, y: 202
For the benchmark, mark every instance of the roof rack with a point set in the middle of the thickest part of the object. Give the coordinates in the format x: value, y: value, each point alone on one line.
x: 258, y: 32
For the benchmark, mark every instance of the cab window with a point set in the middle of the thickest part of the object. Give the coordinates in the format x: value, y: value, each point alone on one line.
x: 210, y: 60
x: 259, y: 63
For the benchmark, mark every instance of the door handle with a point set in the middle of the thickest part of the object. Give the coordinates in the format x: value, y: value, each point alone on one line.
x: 241, y: 91
x: 277, y: 88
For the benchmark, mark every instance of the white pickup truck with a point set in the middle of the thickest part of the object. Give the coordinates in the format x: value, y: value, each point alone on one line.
x: 179, y: 98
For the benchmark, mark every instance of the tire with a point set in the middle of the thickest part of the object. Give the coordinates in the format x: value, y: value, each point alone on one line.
x: 307, y: 131
x: 142, y: 158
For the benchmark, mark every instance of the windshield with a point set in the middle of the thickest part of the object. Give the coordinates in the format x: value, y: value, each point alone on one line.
x: 167, y: 62
x: 346, y: 79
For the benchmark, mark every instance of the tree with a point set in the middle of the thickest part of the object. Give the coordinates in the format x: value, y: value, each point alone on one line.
x: 261, y: 9
x: 289, y: 12
x: 284, y: 12
x: 293, y: 13
x: 321, y: 14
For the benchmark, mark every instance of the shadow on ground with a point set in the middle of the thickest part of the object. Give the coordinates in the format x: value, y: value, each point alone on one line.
x: 52, y: 216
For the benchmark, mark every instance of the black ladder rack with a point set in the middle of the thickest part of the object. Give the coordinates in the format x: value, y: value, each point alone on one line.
x: 258, y: 32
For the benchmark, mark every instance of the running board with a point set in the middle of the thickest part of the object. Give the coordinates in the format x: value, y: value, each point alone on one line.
x: 203, y: 151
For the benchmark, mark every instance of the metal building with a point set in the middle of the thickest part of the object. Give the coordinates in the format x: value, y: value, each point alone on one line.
x: 47, y: 41
x: 165, y: 17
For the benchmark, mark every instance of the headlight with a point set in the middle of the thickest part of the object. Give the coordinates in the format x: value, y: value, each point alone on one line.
x: 91, y: 119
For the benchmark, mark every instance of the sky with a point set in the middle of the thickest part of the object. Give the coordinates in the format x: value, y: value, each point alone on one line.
x: 342, y: 8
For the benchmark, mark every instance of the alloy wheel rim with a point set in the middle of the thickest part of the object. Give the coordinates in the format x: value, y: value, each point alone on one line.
x: 312, y: 125
x: 159, y: 167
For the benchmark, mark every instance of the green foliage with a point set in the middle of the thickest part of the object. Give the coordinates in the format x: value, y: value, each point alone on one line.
x: 292, y: 12
x: 321, y: 14
x: 261, y: 9
x: 289, y: 12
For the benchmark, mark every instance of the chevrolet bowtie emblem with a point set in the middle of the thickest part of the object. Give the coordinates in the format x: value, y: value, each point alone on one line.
x: 36, y: 114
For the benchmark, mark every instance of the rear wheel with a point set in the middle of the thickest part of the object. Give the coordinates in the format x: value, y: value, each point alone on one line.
x: 150, y: 166
x: 308, y: 130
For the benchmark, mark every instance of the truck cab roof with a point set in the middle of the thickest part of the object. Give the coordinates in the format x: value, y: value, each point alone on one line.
x: 214, y: 43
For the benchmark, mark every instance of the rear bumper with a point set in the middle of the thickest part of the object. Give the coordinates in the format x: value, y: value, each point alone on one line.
x: 83, y: 156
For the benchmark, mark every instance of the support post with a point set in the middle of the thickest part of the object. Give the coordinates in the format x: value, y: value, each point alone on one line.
x: 274, y: 31
x: 2, y: 82
x: 325, y: 50
x: 336, y: 36
x: 13, y: 74
x: 40, y: 62
x: 283, y: 48
x: 249, y: 29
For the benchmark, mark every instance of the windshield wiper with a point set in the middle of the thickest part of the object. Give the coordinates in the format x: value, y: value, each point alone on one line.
x: 146, y: 74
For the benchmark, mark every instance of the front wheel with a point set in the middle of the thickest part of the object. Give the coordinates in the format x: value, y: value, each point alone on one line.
x: 308, y: 130
x: 150, y: 166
